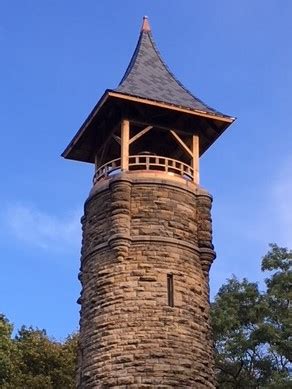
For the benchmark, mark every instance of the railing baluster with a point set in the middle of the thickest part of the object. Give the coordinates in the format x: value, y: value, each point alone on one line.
x: 146, y: 162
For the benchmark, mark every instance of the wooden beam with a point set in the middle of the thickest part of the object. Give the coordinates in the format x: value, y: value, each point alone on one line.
x: 195, y: 159
x: 99, y: 157
x: 85, y: 125
x: 227, y: 119
x: 108, y: 139
x: 141, y: 133
x: 181, y: 143
x: 95, y: 162
x: 103, y: 149
x: 125, y: 135
x: 117, y: 139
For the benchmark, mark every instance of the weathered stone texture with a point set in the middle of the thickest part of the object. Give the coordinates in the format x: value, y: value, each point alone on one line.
x: 134, y: 234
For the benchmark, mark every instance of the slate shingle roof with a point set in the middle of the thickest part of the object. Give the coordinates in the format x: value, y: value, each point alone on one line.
x: 147, y: 76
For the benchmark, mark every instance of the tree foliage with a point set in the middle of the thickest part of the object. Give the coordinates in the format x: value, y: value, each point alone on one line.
x: 8, y: 352
x: 31, y: 360
x: 252, y: 329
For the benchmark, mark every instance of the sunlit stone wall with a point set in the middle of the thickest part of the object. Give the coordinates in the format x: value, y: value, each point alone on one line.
x: 138, y: 229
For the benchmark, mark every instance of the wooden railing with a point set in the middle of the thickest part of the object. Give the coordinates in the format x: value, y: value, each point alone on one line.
x: 146, y: 162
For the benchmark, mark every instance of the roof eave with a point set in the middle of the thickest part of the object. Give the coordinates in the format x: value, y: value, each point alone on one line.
x: 225, y: 120
x: 162, y: 104
x: 86, y: 123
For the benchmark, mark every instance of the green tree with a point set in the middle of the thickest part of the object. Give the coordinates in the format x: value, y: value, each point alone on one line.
x: 8, y: 352
x: 237, y: 315
x: 278, y: 326
x: 32, y: 360
x: 252, y: 329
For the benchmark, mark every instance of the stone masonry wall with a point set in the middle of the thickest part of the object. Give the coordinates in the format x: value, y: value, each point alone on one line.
x: 136, y: 231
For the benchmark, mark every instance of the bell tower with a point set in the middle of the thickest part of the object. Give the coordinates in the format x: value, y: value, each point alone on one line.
x: 147, y: 232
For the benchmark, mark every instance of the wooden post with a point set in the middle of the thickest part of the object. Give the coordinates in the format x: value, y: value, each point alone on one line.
x: 99, y: 156
x: 195, y: 150
x: 125, y: 136
x: 95, y: 161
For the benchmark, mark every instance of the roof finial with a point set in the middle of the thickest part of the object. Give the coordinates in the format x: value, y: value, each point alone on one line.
x: 145, y: 25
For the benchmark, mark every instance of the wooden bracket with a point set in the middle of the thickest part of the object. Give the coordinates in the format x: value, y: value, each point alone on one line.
x: 182, y: 143
x: 141, y: 133
x: 117, y: 139
x: 98, y: 159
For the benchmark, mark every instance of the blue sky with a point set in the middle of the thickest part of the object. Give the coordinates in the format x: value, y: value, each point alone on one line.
x: 58, y: 57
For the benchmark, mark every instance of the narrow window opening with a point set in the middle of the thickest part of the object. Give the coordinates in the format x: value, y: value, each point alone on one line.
x: 170, y: 299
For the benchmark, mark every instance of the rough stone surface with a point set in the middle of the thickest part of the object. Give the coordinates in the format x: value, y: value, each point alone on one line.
x: 135, y: 233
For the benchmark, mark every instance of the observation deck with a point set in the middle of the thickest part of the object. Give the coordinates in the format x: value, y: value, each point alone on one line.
x: 144, y: 162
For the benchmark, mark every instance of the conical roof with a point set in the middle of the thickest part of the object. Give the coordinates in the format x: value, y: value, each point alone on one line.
x: 148, y: 76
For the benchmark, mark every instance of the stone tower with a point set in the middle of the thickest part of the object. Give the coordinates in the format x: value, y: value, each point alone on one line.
x: 147, y: 232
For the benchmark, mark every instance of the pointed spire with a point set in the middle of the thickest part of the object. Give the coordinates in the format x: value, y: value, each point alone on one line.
x: 147, y: 76
x: 145, y: 25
